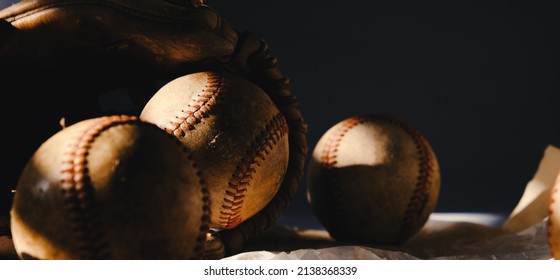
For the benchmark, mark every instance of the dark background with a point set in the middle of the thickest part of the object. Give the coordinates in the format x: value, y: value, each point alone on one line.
x: 479, y: 80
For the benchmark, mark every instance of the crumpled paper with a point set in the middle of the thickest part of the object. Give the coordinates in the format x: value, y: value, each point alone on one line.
x: 523, y: 235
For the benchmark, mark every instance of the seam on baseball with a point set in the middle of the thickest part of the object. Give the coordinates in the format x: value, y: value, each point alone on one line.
x: 263, y: 143
x: 420, y: 194
x: 550, y: 222
x: 78, y: 191
x: 205, y: 219
x: 199, y: 107
x: 329, y: 159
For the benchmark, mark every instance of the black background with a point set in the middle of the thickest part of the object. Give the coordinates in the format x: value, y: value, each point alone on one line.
x: 479, y: 81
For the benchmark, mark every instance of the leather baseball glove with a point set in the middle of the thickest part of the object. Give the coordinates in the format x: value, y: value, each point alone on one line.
x: 60, y: 60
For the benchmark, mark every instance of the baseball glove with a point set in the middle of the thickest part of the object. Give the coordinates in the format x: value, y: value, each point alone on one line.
x: 61, y: 60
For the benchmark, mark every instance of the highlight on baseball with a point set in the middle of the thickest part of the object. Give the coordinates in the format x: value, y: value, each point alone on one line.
x: 111, y: 187
x: 237, y: 136
x: 373, y: 179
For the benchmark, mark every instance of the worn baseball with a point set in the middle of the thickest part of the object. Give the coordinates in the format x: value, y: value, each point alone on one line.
x: 373, y: 179
x: 237, y: 136
x: 110, y: 188
x: 553, y: 224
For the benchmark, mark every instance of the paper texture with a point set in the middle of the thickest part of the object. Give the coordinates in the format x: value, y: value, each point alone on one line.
x: 523, y: 235
x: 533, y: 206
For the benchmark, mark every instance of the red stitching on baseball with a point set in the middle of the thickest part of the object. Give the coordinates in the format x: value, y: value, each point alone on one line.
x: 205, y: 219
x: 199, y: 107
x: 263, y: 144
x: 79, y: 194
x: 329, y: 160
x: 420, y: 194
x: 419, y: 197
x: 329, y: 153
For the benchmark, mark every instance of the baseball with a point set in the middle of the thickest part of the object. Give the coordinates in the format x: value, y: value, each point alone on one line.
x: 110, y: 188
x: 237, y: 136
x: 373, y: 179
x: 553, y: 224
